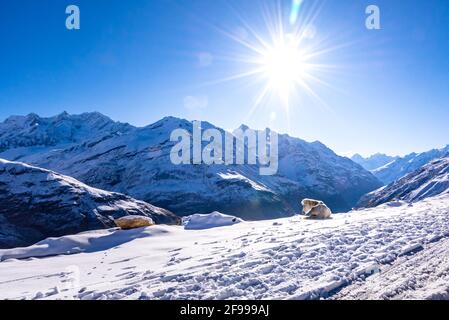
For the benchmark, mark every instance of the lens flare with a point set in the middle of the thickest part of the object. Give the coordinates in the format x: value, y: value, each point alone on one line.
x: 282, y: 55
x: 296, y: 5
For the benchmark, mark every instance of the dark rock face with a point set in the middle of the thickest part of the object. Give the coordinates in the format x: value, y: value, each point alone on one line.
x: 36, y: 203
x: 428, y: 181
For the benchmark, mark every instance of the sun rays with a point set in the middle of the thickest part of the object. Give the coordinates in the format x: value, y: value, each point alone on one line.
x: 281, y: 57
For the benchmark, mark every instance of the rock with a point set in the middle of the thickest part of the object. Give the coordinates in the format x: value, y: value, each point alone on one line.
x: 133, y: 222
x: 36, y: 204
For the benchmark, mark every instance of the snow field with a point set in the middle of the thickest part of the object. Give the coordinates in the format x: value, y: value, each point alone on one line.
x: 288, y: 258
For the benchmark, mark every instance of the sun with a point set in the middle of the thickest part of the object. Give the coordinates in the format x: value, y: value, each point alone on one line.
x: 284, y: 66
x: 284, y: 59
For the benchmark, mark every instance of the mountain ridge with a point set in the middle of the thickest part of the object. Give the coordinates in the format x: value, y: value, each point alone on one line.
x: 135, y: 161
x: 430, y: 180
x: 408, y: 164
x: 374, y: 161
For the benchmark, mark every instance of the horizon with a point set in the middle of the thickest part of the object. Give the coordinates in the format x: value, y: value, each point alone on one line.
x: 226, y: 129
x: 370, y: 91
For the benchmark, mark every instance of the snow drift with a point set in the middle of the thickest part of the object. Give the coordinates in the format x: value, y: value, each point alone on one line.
x: 208, y: 221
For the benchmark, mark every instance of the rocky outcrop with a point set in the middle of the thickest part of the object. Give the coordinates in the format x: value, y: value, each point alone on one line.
x: 36, y: 203
x: 133, y: 222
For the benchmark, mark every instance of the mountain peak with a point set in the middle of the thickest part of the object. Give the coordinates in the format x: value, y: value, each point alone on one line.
x: 170, y: 123
x: 32, y: 130
x: 243, y: 127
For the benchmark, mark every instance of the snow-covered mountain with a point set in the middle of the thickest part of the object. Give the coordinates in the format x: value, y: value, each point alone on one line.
x: 405, y: 165
x: 36, y: 203
x: 430, y: 180
x: 34, y: 131
x: 337, y: 180
x: 373, y: 162
x: 135, y: 161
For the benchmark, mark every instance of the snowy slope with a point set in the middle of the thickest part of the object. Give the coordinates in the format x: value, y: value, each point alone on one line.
x: 428, y: 181
x: 405, y: 165
x: 37, y: 203
x: 373, y: 162
x: 423, y: 276
x: 136, y: 162
x: 289, y: 258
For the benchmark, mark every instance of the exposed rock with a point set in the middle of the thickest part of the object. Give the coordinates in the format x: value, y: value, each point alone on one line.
x: 36, y: 203
x: 133, y: 222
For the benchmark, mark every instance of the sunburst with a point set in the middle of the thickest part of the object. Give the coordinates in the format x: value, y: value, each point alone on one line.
x: 282, y: 56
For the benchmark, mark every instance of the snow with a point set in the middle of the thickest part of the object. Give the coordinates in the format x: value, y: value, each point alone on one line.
x: 37, y: 203
x: 408, y: 164
x: 208, y: 221
x: 373, y: 162
x: 430, y: 180
x: 289, y: 258
x: 421, y: 277
x: 136, y: 161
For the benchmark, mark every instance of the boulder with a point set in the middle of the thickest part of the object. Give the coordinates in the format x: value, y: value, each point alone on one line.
x: 133, y: 222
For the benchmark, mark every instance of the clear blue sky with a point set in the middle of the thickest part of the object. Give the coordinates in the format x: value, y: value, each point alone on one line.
x: 137, y: 61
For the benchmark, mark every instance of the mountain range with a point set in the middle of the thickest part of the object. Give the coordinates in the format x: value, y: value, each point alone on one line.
x: 373, y: 162
x: 430, y: 180
x: 135, y: 161
x: 388, y: 169
x: 408, y: 164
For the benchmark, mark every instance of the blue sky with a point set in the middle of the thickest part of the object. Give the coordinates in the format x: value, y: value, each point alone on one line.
x: 137, y: 61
